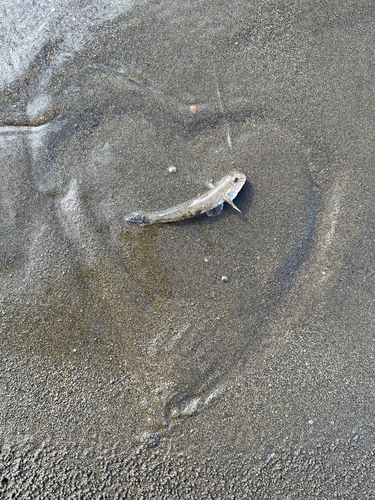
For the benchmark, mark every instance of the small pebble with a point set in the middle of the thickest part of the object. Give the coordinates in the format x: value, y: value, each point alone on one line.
x: 193, y: 109
x: 225, y: 279
x: 172, y: 169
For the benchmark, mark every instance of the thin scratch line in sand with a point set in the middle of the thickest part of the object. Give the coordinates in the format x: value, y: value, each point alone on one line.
x: 229, y: 140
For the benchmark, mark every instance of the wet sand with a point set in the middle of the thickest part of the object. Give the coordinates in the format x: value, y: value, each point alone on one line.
x: 130, y: 368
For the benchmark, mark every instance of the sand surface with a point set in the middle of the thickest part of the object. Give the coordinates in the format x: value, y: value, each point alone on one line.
x: 129, y: 367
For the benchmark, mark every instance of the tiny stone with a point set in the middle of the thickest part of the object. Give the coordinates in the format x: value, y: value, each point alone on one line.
x: 206, y: 260
x: 172, y: 169
x: 310, y: 422
x: 225, y: 279
x: 193, y: 109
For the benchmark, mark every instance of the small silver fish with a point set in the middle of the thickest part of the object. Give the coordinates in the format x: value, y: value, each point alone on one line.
x: 211, y: 203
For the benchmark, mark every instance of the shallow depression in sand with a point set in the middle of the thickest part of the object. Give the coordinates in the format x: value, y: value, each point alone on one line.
x: 74, y: 271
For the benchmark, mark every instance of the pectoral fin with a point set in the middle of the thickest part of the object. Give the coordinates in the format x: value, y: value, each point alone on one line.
x: 230, y: 202
x: 215, y: 211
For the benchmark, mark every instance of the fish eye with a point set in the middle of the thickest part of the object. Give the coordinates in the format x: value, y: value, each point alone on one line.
x: 235, y: 179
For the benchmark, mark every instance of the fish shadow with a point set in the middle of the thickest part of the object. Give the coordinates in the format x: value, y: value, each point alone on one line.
x: 244, y: 199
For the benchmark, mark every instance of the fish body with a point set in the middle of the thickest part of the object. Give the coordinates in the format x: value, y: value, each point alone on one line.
x: 223, y: 191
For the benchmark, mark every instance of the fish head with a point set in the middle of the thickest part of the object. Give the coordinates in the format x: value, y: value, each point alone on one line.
x: 235, y: 183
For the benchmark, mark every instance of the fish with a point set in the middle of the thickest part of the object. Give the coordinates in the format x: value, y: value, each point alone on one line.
x: 211, y: 203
